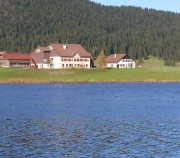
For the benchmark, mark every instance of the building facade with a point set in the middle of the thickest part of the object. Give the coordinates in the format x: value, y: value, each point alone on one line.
x: 120, y: 61
x: 61, y: 56
x: 15, y: 60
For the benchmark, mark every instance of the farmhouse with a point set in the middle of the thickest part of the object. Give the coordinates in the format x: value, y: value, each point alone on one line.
x: 61, y: 56
x: 120, y: 61
x: 15, y: 60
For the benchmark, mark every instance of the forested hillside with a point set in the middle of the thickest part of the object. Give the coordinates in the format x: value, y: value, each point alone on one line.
x: 25, y: 24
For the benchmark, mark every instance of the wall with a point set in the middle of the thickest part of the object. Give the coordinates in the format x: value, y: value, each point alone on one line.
x: 68, y: 62
x: 124, y: 63
x: 4, y: 63
x: 56, y: 62
x: 111, y: 65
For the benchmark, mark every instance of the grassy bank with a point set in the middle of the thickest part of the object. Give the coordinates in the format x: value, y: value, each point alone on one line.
x: 94, y: 75
x: 153, y: 71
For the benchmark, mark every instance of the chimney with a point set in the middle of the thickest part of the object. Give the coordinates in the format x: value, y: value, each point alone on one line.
x: 50, y: 47
x: 115, y: 55
x: 65, y: 47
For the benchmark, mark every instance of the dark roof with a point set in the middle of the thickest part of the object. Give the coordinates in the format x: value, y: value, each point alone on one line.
x: 69, y: 50
x: 17, y: 56
x: 115, y: 58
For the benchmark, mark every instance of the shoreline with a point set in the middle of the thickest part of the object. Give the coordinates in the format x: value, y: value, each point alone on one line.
x: 84, y: 81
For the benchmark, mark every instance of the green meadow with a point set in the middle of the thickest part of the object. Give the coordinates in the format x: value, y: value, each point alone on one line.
x: 153, y: 70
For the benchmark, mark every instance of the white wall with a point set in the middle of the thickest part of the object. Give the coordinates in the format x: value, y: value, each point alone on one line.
x: 124, y: 63
x: 56, y: 61
x: 65, y: 62
x: 68, y: 62
x: 111, y: 65
x: 42, y: 66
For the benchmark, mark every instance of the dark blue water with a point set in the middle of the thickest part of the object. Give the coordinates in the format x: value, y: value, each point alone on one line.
x: 136, y: 120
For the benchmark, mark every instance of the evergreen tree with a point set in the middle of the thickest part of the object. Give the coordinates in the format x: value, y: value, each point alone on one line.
x: 134, y: 31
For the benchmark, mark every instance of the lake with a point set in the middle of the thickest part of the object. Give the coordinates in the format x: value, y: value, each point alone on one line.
x: 98, y: 120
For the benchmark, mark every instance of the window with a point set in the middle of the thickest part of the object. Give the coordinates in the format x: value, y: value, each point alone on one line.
x: 45, y: 61
x: 130, y: 65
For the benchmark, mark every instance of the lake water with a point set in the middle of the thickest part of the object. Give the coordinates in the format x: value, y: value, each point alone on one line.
x: 117, y: 120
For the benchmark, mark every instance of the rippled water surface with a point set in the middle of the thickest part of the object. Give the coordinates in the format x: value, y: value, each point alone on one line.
x: 136, y: 120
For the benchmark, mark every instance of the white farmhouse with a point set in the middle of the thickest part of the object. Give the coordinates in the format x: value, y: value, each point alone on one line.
x: 120, y: 61
x: 61, y: 56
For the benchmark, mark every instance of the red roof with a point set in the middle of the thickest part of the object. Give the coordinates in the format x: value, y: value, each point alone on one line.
x: 69, y: 50
x: 115, y: 58
x: 37, y: 54
x: 17, y: 56
x: 63, y: 50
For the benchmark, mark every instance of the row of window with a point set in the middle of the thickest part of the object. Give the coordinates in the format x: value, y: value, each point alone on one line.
x: 127, y: 60
x: 74, y: 65
x: 19, y: 64
x: 124, y: 65
x: 68, y: 59
x: 120, y: 65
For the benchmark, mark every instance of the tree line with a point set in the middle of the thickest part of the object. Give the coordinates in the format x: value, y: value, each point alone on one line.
x: 26, y: 24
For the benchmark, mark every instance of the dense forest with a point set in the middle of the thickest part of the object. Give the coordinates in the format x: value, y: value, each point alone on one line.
x: 26, y: 24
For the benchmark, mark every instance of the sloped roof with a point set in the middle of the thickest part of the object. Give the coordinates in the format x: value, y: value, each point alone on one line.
x: 115, y: 58
x: 69, y: 50
x: 17, y: 56
x: 38, y: 54
x: 44, y: 49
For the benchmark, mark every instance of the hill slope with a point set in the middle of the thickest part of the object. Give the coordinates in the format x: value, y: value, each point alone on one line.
x: 25, y: 24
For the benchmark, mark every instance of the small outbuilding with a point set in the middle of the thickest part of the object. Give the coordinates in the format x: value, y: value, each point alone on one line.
x: 15, y: 60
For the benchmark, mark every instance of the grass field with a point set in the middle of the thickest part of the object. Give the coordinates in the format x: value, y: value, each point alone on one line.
x: 153, y: 71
